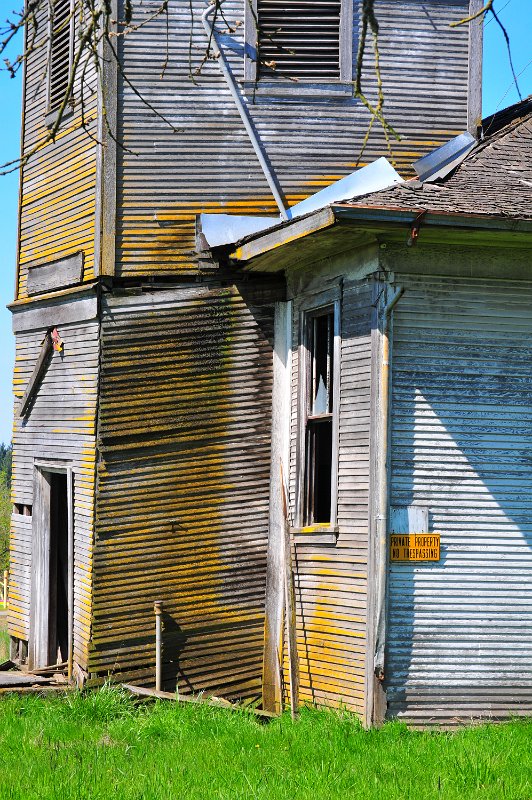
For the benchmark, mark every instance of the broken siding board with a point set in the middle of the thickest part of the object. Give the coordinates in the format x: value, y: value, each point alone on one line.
x: 38, y: 371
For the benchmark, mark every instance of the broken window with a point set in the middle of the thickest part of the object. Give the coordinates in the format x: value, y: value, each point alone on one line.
x: 319, y: 423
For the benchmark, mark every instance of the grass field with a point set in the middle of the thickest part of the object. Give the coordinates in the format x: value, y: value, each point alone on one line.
x: 4, y: 646
x: 4, y: 637
x: 101, y: 746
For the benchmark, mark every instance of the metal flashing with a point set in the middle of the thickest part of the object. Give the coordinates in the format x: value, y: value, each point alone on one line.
x: 223, y: 229
x: 374, y: 177
x: 441, y: 161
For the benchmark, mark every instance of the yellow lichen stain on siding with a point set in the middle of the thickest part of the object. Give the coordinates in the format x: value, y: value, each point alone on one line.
x: 168, y: 525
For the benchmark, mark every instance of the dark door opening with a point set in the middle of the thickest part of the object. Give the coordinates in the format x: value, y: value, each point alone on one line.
x: 58, y: 608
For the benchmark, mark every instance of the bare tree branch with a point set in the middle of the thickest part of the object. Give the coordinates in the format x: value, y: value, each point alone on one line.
x: 482, y: 12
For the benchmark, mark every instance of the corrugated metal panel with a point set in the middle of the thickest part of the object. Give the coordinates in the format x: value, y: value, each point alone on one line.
x: 58, y: 183
x: 182, y: 501
x: 60, y: 425
x: 207, y: 164
x: 331, y: 580
x: 460, y: 631
x: 299, y: 38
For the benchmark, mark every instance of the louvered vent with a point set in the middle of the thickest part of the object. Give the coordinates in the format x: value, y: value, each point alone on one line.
x: 60, y: 45
x: 299, y: 39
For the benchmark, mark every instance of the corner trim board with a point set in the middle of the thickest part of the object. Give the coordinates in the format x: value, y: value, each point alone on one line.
x: 474, y: 96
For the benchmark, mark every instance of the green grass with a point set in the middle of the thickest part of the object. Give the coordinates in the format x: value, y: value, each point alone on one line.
x: 4, y: 647
x: 100, y: 746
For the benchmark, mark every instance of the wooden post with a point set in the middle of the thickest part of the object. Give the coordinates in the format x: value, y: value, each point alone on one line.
x: 272, y: 699
x: 290, y: 609
x: 6, y: 573
x: 157, y: 607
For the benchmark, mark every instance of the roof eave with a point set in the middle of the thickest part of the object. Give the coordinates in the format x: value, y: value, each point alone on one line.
x: 384, y: 218
x: 449, y: 219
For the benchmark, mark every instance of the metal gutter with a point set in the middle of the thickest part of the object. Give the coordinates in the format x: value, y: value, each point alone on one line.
x: 242, y: 110
x: 449, y: 219
x: 370, y: 217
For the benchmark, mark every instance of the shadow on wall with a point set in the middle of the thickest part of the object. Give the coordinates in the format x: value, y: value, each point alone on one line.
x: 182, y: 503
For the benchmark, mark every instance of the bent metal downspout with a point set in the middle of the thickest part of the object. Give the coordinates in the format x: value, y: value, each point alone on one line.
x: 242, y: 110
x: 382, y: 482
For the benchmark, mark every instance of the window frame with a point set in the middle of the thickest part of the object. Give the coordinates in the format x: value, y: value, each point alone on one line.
x: 284, y: 87
x: 320, y: 304
x: 51, y: 112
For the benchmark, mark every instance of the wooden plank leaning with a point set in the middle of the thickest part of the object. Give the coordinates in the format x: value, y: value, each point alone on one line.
x: 290, y: 608
x: 38, y: 372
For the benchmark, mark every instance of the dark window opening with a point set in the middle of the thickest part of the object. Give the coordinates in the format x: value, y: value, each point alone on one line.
x: 61, y: 35
x: 319, y: 424
x: 23, y: 509
x: 299, y: 40
x: 58, y: 619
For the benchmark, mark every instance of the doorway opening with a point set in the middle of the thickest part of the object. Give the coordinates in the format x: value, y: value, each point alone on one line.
x: 58, y: 612
x: 52, y: 568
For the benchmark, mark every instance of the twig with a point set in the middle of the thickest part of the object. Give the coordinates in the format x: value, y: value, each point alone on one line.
x: 483, y: 11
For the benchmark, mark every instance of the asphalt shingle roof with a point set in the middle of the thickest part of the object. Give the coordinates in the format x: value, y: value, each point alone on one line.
x: 495, y: 178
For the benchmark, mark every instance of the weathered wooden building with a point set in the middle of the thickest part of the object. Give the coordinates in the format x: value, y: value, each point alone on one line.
x: 414, y: 565
x: 153, y: 407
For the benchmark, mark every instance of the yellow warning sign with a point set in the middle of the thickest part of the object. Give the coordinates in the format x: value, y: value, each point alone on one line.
x: 415, y: 547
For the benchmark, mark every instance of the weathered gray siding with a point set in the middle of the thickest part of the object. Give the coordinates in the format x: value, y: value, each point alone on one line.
x: 60, y: 426
x: 207, y: 164
x: 182, y: 501
x: 57, y: 204
x: 460, y: 631
x: 331, y: 579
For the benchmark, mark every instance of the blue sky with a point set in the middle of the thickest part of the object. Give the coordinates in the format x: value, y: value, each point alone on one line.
x: 498, y: 92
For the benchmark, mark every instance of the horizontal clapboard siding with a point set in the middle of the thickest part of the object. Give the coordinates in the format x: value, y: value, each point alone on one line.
x: 331, y: 580
x: 182, y: 501
x: 460, y: 631
x: 20, y: 576
x: 57, y: 204
x: 60, y: 425
x: 61, y: 35
x: 206, y: 163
